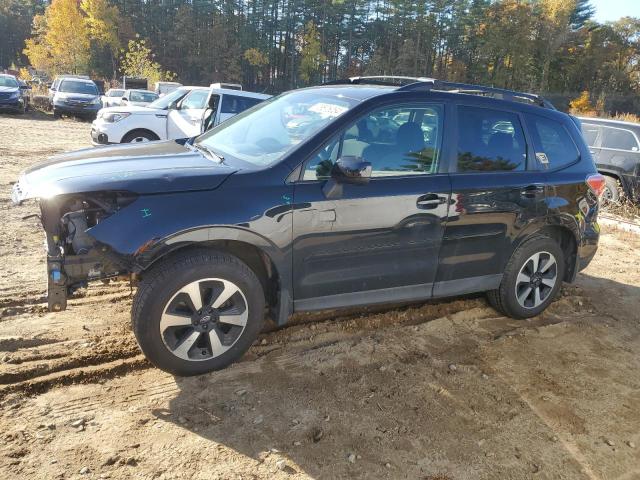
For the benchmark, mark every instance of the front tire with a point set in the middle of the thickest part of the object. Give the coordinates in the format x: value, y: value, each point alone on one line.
x: 198, y: 312
x: 531, y: 280
x: 139, y: 136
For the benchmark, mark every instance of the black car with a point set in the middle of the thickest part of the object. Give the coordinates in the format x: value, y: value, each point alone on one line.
x: 615, y: 146
x: 321, y: 198
x: 14, y: 94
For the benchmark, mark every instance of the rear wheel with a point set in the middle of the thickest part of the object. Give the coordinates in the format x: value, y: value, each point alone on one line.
x: 611, y: 190
x: 198, y: 312
x: 531, y: 280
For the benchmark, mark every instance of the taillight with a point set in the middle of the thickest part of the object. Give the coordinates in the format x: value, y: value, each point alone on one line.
x: 596, y: 183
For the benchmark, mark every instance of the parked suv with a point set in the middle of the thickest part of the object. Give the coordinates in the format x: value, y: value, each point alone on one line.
x: 77, y: 97
x: 615, y: 147
x: 322, y: 198
x: 185, y: 112
x: 14, y: 94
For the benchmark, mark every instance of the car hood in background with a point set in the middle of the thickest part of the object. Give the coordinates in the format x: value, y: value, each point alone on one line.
x: 150, y: 167
x: 9, y: 89
x: 131, y: 109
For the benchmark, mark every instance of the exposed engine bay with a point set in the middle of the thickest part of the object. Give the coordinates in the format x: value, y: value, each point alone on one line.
x: 74, y: 257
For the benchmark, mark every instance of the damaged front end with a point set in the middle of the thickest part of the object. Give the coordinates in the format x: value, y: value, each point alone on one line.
x: 74, y: 257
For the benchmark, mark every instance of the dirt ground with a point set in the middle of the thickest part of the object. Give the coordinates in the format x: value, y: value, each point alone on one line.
x: 447, y: 390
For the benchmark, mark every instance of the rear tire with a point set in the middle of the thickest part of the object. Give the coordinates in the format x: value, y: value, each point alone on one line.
x: 611, y: 190
x: 182, y: 339
x: 531, y: 280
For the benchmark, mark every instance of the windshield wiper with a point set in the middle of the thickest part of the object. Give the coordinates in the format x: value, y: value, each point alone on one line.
x: 209, y: 152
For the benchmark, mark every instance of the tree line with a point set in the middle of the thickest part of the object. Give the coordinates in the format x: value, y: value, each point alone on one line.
x: 275, y: 45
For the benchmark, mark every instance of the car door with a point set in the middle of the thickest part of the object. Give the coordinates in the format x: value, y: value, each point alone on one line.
x: 185, y: 120
x: 497, y: 191
x: 211, y: 112
x: 376, y: 242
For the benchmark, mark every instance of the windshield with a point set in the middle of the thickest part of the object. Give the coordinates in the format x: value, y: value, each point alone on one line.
x: 8, y: 82
x: 142, y: 97
x: 74, y: 86
x: 265, y: 133
x: 163, y: 102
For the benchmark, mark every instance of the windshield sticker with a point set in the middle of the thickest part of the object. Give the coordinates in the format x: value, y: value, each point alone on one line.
x: 327, y: 109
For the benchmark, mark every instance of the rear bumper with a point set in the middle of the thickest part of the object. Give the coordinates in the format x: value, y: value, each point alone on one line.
x: 588, y: 247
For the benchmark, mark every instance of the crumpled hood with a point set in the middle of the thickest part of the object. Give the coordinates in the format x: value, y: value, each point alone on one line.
x: 143, y: 168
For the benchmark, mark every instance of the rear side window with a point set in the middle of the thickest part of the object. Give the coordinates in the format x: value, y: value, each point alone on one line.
x: 619, y: 138
x: 554, y: 146
x: 490, y: 141
x: 236, y: 104
x: 590, y: 133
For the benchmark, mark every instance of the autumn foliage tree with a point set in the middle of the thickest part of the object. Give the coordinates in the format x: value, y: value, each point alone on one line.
x: 61, y: 39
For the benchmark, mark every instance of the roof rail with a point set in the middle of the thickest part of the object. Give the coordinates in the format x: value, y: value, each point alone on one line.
x: 389, y: 80
x: 425, y: 83
x: 454, y: 87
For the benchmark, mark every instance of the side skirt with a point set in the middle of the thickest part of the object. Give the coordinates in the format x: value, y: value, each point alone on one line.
x: 409, y: 293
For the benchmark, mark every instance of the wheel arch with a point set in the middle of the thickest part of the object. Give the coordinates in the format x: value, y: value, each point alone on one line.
x: 264, y: 258
x: 139, y: 131
x: 567, y: 237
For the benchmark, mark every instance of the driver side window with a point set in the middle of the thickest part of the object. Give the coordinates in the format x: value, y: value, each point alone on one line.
x: 397, y: 141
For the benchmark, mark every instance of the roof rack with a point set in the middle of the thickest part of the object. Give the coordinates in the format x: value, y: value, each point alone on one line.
x: 454, y: 87
x: 389, y: 80
x: 427, y: 84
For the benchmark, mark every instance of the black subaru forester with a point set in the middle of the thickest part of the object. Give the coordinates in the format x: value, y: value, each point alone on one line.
x: 357, y: 193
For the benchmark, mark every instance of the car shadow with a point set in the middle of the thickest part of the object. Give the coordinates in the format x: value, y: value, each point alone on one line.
x: 388, y: 403
x: 40, y: 115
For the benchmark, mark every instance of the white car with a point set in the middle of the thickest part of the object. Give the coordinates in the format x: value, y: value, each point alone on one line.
x: 139, y: 98
x: 185, y: 112
x: 162, y: 88
x: 112, y: 97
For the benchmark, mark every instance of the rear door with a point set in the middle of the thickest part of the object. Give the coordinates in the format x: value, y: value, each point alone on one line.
x: 496, y: 192
x: 185, y: 120
x: 376, y: 242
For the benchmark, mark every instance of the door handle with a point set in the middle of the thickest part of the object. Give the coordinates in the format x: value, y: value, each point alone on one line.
x: 532, y: 191
x: 430, y: 201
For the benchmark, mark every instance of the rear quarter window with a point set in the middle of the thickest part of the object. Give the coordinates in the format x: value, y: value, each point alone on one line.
x: 552, y: 142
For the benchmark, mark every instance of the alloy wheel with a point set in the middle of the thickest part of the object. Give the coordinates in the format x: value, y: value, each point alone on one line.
x: 204, y: 319
x: 536, y: 280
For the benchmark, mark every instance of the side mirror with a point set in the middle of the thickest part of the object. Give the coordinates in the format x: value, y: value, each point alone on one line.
x: 346, y: 170
x: 351, y: 170
x: 124, y: 99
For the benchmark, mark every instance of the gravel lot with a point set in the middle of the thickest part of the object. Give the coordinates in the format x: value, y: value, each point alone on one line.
x: 447, y: 390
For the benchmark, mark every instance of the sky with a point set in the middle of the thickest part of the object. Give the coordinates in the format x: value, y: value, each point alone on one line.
x: 607, y: 10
